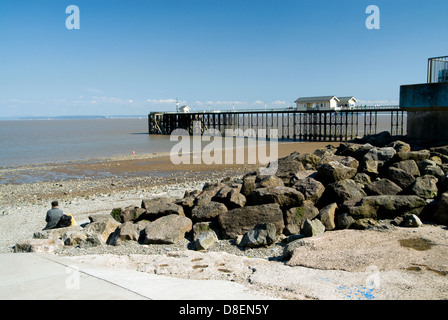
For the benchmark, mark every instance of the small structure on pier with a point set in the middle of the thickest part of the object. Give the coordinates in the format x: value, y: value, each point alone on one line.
x: 184, y: 109
x: 347, y: 102
x: 317, y: 103
x: 325, y: 103
x: 427, y: 104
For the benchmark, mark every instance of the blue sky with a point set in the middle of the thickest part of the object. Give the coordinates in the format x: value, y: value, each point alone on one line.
x: 130, y: 57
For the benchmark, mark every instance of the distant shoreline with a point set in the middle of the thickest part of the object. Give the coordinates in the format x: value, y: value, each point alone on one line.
x: 80, y: 117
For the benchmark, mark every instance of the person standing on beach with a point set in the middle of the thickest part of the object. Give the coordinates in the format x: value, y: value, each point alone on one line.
x: 53, y: 216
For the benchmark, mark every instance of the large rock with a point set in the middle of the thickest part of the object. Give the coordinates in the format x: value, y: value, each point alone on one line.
x: 313, y: 228
x: 342, y: 191
x: 434, y: 171
x: 91, y: 240
x: 38, y: 245
x: 304, y: 175
x: 290, y: 247
x: 400, y: 146
x: 412, y: 221
x: 207, y: 212
x: 443, y: 150
x: 430, y: 167
x: 410, y: 166
x: 400, y: 177
x: 335, y: 171
x: 221, y: 195
x: 382, y: 155
x: 346, y: 161
x: 205, y: 240
x: 441, y: 212
x: 414, y: 155
x: 309, y: 159
x: 239, y: 221
x: 168, y: 229
x: 310, y: 188
x: 379, y: 139
x: 73, y: 237
x: 285, y: 197
x: 159, y: 207
x: 364, y: 223
x: 344, y: 221
x: 443, y: 184
x: 382, y: 187
x: 362, y: 178
x: 128, y: 231
x: 249, y: 184
x: 212, y: 188
x: 130, y: 213
x: 235, y: 200
x: 101, y: 226
x: 287, y: 168
x: 356, y: 151
x: 187, y: 203
x: 202, y: 227
x: 202, y: 199
x: 425, y: 187
x: 296, y: 217
x: 261, y: 235
x: 370, y: 167
x: 384, y: 206
x: 270, y: 181
x: 56, y: 233
x: 326, y: 151
x: 327, y: 216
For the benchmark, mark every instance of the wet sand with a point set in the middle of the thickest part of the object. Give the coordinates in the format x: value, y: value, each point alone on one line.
x: 154, y: 164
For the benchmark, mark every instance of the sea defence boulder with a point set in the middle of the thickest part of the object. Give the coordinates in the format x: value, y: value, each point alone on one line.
x: 285, y: 197
x: 260, y: 236
x: 384, y: 206
x: 168, y: 229
x: 241, y: 220
x: 335, y: 171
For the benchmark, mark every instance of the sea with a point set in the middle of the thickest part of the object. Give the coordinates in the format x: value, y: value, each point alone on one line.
x: 40, y: 141
x: 28, y: 142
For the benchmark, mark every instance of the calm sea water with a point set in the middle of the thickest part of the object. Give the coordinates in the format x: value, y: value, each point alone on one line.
x: 24, y: 142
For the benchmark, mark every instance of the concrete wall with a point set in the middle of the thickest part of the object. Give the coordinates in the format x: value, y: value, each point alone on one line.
x: 427, y: 125
x: 426, y: 96
x: 427, y: 110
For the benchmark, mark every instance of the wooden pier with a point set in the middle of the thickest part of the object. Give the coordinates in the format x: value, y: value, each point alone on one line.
x: 290, y: 124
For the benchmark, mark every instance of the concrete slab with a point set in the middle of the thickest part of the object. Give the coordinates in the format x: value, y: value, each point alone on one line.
x: 43, y: 276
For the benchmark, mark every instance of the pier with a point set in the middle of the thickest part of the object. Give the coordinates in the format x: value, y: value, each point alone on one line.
x: 291, y: 124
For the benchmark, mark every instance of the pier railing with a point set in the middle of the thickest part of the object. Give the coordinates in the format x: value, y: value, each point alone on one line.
x: 290, y: 124
x: 438, y: 69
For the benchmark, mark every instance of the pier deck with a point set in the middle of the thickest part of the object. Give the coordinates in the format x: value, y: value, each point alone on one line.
x: 291, y: 124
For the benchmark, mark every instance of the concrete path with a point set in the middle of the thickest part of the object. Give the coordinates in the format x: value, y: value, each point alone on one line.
x: 44, y: 276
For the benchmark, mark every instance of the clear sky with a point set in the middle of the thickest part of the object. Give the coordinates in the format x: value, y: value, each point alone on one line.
x: 130, y: 57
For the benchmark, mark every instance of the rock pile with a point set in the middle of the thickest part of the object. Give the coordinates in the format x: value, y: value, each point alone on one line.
x: 352, y: 186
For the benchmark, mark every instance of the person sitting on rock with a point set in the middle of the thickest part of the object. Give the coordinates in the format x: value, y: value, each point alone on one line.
x: 53, y: 217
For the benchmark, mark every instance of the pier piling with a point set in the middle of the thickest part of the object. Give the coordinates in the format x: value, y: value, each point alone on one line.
x: 323, y: 125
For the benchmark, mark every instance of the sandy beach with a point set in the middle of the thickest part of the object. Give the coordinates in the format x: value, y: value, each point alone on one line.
x: 99, y: 185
